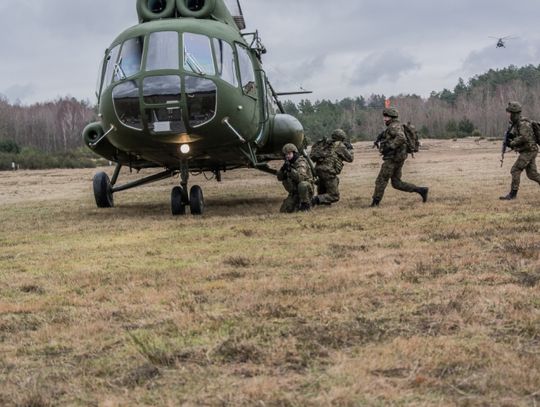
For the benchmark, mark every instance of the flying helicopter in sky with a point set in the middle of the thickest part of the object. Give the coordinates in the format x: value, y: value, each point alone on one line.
x: 185, y: 91
x: 501, y: 42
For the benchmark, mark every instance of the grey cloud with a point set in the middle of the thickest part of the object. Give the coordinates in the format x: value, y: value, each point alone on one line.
x: 57, y: 44
x: 19, y: 92
x: 291, y: 75
x: 517, y: 52
x: 387, y: 65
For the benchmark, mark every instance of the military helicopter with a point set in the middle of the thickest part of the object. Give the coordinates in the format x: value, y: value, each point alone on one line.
x: 501, y: 42
x: 185, y: 91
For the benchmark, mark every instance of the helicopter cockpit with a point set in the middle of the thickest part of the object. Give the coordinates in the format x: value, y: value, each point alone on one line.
x: 150, y: 74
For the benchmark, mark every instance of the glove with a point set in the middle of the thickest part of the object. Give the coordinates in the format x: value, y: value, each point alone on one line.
x: 286, y: 168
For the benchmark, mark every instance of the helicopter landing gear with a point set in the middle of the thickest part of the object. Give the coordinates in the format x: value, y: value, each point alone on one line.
x: 178, y: 201
x: 103, y: 191
x: 196, y: 200
x: 180, y: 198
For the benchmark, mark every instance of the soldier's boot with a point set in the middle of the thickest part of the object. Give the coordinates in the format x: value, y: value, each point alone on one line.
x: 375, y: 203
x: 511, y: 196
x: 304, y: 207
x: 423, y: 193
x: 315, y: 201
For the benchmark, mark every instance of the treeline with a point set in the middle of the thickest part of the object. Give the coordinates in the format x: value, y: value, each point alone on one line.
x: 44, y: 135
x: 476, y: 108
x: 49, y: 127
x: 473, y: 108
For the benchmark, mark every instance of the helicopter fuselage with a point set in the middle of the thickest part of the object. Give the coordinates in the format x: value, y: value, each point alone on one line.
x: 187, y: 90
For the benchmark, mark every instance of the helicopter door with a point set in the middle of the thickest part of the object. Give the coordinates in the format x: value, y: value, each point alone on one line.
x: 248, y: 83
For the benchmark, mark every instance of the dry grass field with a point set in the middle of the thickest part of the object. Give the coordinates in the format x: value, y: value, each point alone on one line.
x: 405, y: 305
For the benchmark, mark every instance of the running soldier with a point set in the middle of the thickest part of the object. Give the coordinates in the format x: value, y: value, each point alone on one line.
x: 394, y: 150
x: 522, y: 139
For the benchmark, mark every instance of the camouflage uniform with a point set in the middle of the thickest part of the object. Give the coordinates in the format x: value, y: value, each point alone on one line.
x: 393, y: 147
x: 297, y: 180
x: 329, y: 167
x: 522, y: 140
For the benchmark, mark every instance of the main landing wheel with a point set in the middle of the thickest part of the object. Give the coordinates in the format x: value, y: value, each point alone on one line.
x: 196, y: 200
x: 178, y: 201
x: 103, y: 191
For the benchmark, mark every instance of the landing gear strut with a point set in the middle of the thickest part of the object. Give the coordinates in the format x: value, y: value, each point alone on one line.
x: 104, y: 189
x: 180, y: 198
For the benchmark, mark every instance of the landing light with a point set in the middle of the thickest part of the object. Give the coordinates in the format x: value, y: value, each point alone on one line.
x: 184, y: 148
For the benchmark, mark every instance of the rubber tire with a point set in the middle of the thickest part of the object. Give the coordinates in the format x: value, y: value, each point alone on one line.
x: 103, y: 191
x: 196, y: 200
x: 205, y: 11
x: 178, y: 204
x: 147, y: 15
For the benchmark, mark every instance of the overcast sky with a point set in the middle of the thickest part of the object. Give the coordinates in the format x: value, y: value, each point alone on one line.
x: 336, y: 48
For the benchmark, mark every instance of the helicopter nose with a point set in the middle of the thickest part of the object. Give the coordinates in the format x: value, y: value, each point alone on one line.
x: 163, y: 105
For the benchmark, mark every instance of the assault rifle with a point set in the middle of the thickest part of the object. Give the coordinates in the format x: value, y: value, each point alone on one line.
x: 506, y: 143
x: 348, y: 145
x: 378, y: 141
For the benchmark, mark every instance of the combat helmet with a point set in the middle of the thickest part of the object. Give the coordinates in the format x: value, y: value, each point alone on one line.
x: 339, y: 135
x: 289, y: 148
x: 514, y: 107
x: 391, y: 112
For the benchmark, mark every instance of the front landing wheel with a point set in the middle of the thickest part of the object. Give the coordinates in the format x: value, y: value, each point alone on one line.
x: 103, y: 191
x: 178, y: 201
x: 196, y: 200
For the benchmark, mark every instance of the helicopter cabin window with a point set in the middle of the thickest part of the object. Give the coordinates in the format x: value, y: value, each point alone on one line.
x: 247, y: 74
x: 130, y: 59
x: 198, y: 54
x: 126, y: 104
x: 110, y: 61
x: 225, y: 62
x: 100, y: 77
x: 201, y: 95
x: 163, y: 51
x: 163, y: 90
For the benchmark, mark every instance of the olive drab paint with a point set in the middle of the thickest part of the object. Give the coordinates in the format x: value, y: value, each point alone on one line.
x: 185, y: 90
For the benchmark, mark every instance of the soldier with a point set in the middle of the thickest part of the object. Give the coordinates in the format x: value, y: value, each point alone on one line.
x: 522, y: 140
x: 297, y: 179
x: 329, y: 156
x: 393, y: 147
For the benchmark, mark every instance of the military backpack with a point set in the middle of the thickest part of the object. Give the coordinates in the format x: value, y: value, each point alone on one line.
x: 321, y: 150
x: 411, y: 137
x: 536, y: 130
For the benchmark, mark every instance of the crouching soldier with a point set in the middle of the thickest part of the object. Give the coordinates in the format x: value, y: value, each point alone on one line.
x: 394, y: 150
x: 297, y: 179
x: 329, y: 156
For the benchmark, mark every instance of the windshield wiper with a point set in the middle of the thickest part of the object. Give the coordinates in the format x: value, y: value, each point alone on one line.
x: 119, y: 71
x: 194, y: 64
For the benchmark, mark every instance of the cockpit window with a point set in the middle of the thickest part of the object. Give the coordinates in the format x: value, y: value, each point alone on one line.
x: 130, y: 59
x: 198, y: 54
x: 247, y: 74
x: 225, y: 62
x: 110, y: 61
x: 162, y: 51
x: 126, y: 104
x: 162, y: 89
x: 201, y: 95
